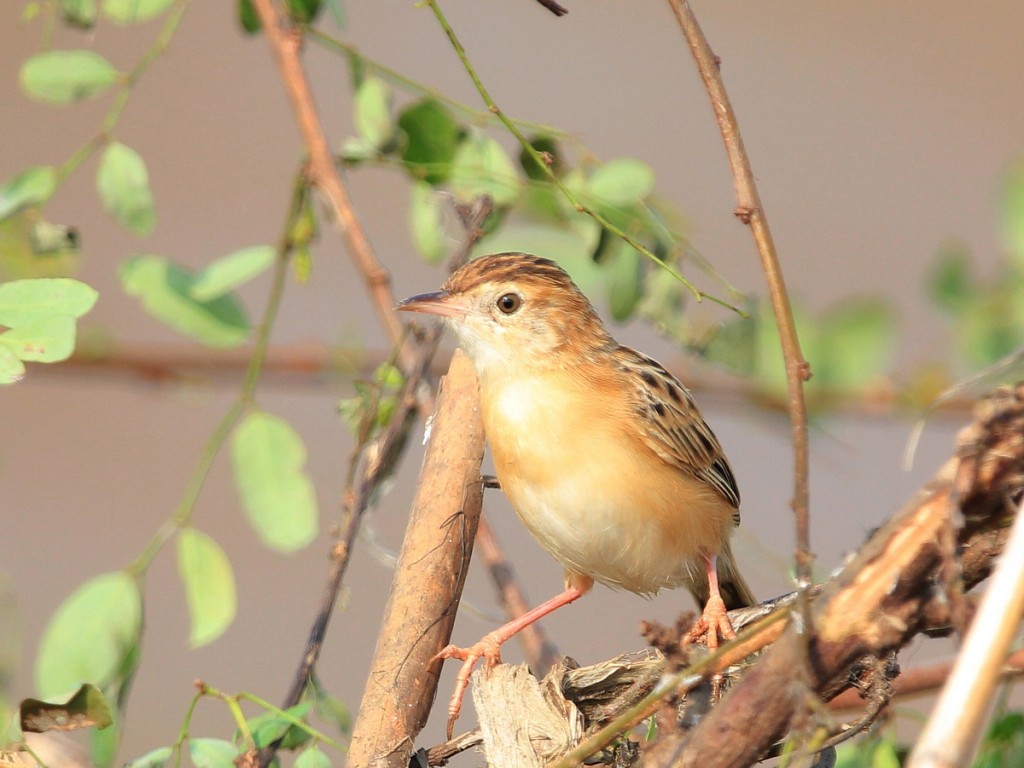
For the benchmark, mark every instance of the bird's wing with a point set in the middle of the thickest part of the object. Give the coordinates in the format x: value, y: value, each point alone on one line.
x: 675, y: 430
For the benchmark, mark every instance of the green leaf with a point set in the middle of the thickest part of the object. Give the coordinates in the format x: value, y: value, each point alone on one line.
x: 133, y: 11
x: 156, y: 758
x: 949, y: 282
x: 312, y: 758
x: 621, y: 182
x: 625, y: 272
x: 228, y: 272
x: 47, y: 340
x: 372, y: 112
x: 33, y: 186
x: 63, y: 77
x: 165, y: 291
x: 269, y: 460
x: 104, y: 743
x: 212, y: 753
x: 209, y: 582
x: 28, y: 301
x: 79, y: 13
x: 90, y: 635
x: 431, y: 137
x: 248, y: 19
x: 549, y: 151
x: 884, y: 755
x: 425, y: 211
x: 12, y: 370
x: 123, y: 185
x: 87, y: 708
x: 855, y: 343
x: 269, y: 727
x: 481, y: 166
x: 304, y: 11
x: 987, y: 330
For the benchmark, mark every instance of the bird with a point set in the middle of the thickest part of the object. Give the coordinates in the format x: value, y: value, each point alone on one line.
x: 601, y: 452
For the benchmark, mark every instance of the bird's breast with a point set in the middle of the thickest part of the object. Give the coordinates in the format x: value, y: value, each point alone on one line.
x: 600, y: 503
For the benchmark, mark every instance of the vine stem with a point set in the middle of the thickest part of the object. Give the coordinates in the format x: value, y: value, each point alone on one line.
x: 750, y: 211
x: 215, y: 442
x: 163, y: 40
x: 571, y: 196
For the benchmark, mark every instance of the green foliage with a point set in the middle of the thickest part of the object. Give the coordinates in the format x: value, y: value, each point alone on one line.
x: 232, y: 271
x: 312, y: 758
x: 40, y: 317
x: 869, y: 753
x: 848, y: 346
x: 133, y: 11
x: 81, y: 14
x: 64, y: 77
x: 166, y: 292
x: 430, y: 137
x: 374, y: 403
x: 425, y: 221
x: 209, y: 583
x: 122, y: 182
x: 212, y: 753
x: 33, y: 186
x: 1003, y: 745
x: 269, y: 459
x: 482, y: 167
x: 269, y: 727
x: 91, y: 636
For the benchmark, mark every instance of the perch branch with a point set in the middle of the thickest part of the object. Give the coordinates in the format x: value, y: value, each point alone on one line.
x: 428, y: 580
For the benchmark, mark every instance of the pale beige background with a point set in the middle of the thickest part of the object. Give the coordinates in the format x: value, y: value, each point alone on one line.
x: 877, y: 131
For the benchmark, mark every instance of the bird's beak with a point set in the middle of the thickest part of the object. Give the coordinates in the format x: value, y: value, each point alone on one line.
x: 437, y: 303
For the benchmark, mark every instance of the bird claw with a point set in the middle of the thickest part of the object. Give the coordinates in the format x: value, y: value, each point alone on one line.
x: 713, y: 624
x: 487, y: 648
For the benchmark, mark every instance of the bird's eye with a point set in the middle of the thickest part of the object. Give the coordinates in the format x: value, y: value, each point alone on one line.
x: 509, y: 303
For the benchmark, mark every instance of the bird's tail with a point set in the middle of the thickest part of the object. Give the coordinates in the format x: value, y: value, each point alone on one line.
x: 731, y: 585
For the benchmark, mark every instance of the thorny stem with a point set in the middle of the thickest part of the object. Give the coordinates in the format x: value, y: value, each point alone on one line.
x: 750, y: 211
x: 541, y: 163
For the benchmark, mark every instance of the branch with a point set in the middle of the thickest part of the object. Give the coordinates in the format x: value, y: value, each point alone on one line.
x: 428, y: 581
x: 903, y: 581
x: 285, y: 43
x: 750, y: 212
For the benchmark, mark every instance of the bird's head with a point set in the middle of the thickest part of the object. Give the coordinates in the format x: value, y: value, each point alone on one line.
x: 515, y: 310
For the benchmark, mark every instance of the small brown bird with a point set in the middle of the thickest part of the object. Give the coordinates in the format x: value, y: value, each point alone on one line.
x: 601, y: 451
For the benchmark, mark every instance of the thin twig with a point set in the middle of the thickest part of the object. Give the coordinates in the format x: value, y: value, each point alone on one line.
x: 750, y: 211
x: 285, y: 43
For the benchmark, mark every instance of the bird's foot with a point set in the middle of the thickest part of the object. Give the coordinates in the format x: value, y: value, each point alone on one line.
x: 713, y: 624
x: 487, y: 648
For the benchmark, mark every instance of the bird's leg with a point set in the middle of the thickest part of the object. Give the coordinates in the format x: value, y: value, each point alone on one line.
x: 488, y: 647
x: 714, y: 622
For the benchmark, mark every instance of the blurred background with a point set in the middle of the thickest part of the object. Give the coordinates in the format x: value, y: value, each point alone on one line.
x: 879, y: 135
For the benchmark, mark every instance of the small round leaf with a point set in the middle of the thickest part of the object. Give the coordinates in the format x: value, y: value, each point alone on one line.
x: 209, y: 584
x: 90, y: 635
x: 269, y: 460
x: 64, y: 77
x: 123, y: 185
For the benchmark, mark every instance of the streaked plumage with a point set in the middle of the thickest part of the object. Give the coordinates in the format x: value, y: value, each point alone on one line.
x: 602, y: 453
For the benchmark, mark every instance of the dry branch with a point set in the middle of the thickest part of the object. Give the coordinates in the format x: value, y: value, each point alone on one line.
x: 428, y: 581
